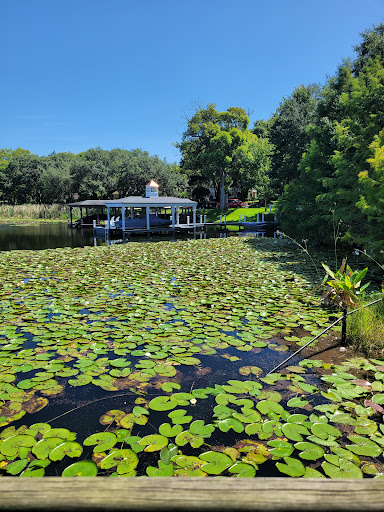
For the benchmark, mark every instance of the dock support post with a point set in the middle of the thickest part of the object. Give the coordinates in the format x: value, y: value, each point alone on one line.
x: 177, y: 215
x: 221, y: 219
x: 123, y: 219
x: 245, y: 218
x: 258, y: 218
x: 147, y: 215
x: 173, y: 217
x: 187, y: 220
x: 262, y: 218
x: 194, y: 218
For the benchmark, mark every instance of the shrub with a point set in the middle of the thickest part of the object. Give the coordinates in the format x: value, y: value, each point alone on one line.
x: 365, y: 329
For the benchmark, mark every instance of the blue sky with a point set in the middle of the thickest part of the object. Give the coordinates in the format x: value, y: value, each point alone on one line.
x: 78, y: 74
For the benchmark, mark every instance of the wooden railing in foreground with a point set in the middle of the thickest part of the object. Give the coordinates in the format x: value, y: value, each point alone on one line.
x: 190, y: 494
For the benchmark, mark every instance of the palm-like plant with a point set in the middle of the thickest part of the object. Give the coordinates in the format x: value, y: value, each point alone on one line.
x: 343, y: 286
x: 342, y: 289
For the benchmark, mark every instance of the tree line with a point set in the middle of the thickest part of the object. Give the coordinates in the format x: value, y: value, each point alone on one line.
x: 92, y: 174
x: 327, y: 168
x: 320, y: 155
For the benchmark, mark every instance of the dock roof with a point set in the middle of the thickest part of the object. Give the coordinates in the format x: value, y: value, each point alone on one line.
x: 138, y: 201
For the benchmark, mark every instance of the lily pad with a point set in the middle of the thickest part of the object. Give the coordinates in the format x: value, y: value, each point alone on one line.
x: 11, y: 445
x: 186, y: 437
x: 167, y: 430
x: 102, y: 441
x: 162, y: 403
x: 364, y: 446
x: 81, y: 468
x: 153, y: 442
x: 346, y: 469
x: 294, y: 431
x: 310, y: 451
x: 243, y: 470
x: 42, y: 449
x: 125, y: 461
x: 217, y: 462
x: 70, y: 448
x: 280, y: 448
x: 292, y: 467
x: 161, y: 470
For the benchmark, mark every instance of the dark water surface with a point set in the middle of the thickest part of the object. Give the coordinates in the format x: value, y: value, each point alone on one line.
x: 51, y: 235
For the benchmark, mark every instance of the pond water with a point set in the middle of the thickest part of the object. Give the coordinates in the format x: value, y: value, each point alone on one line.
x: 52, y: 235
x: 153, y: 359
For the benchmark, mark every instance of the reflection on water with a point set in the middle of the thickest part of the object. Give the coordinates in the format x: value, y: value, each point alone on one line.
x: 53, y: 235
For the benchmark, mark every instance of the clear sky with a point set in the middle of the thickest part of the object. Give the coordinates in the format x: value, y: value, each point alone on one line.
x: 78, y: 74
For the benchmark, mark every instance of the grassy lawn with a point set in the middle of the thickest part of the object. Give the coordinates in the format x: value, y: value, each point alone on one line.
x: 233, y: 214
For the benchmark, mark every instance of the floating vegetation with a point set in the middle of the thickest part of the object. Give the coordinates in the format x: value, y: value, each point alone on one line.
x: 157, y: 330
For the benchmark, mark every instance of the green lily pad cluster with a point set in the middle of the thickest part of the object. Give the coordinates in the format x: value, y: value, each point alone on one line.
x: 134, y: 318
x: 93, y: 316
x: 338, y: 439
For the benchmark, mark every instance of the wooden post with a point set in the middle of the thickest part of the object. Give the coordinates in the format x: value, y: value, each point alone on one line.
x: 344, y: 328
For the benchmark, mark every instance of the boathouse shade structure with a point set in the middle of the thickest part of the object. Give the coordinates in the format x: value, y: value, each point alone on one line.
x: 152, y: 202
x: 97, y: 204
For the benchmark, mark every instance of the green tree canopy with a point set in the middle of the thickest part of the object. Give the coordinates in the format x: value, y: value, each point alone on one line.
x: 286, y: 130
x: 340, y: 172
x: 219, y: 148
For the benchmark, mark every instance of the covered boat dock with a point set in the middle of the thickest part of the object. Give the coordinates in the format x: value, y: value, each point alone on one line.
x: 128, y: 224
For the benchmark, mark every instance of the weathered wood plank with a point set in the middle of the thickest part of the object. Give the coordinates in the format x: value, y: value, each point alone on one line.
x: 189, y: 494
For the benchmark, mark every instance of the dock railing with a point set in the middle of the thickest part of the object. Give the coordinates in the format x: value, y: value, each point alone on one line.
x: 190, y: 494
